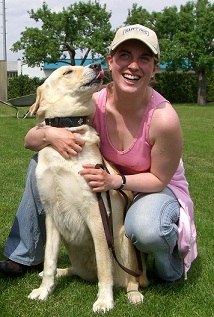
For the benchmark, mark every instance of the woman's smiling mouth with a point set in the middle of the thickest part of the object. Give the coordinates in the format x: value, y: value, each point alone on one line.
x: 131, y: 77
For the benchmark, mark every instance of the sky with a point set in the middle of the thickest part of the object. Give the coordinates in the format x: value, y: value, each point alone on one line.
x: 17, y: 17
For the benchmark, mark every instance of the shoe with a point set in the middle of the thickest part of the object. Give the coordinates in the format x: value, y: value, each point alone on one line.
x: 159, y: 281
x: 14, y: 269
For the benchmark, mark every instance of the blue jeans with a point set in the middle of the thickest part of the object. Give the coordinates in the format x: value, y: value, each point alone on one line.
x: 25, y: 243
x: 151, y: 224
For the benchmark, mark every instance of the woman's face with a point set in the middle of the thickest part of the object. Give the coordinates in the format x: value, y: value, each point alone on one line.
x: 132, y: 66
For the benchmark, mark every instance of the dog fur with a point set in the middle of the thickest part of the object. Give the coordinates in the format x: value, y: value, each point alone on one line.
x: 72, y: 211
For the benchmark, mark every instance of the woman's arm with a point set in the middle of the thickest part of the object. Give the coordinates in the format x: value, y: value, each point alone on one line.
x: 64, y: 141
x: 167, y: 141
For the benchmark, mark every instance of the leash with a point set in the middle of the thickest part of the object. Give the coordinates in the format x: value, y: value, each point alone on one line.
x: 108, y: 226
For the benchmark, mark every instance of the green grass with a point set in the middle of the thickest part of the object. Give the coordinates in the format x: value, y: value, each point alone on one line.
x: 74, y: 297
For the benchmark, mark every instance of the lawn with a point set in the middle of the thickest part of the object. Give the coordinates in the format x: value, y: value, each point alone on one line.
x: 74, y: 297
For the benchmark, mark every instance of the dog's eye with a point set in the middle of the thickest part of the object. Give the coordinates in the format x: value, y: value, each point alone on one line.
x: 68, y: 72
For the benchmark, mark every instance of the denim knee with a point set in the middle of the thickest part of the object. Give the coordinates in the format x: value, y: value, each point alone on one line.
x: 151, y: 222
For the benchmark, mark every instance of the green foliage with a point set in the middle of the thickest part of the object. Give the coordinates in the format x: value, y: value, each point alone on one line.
x: 23, y: 85
x: 181, y: 87
x: 177, y: 87
x: 192, y: 37
x: 139, y: 15
x: 83, y: 25
x: 74, y: 297
x: 185, y: 37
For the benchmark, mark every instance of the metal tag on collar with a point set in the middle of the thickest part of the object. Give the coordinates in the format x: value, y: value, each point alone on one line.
x: 80, y: 121
x: 48, y: 121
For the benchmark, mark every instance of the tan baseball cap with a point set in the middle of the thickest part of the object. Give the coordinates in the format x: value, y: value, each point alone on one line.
x: 137, y: 32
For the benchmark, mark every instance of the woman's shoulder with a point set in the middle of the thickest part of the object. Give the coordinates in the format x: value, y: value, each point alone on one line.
x: 101, y: 92
x: 157, y: 97
x: 165, y: 119
x: 163, y: 107
x: 165, y: 115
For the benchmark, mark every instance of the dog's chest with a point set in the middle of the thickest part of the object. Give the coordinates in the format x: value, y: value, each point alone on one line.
x: 66, y: 195
x: 73, y: 225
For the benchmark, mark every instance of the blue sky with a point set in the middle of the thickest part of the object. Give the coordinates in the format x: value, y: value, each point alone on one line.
x: 17, y: 17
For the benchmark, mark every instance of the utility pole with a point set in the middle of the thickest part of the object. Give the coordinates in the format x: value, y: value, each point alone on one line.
x: 3, y: 63
x: 4, y: 31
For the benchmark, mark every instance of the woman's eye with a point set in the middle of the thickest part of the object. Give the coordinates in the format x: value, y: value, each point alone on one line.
x: 124, y: 55
x: 145, y: 58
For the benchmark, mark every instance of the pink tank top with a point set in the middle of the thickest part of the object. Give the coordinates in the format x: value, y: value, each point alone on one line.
x: 137, y: 159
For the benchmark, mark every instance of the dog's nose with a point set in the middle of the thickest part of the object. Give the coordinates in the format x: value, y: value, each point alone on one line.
x: 95, y: 66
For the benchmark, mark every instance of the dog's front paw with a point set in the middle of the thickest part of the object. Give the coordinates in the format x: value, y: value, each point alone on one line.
x: 103, y: 305
x: 135, y: 297
x: 40, y: 293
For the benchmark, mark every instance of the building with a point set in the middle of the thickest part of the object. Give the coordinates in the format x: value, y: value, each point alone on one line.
x: 18, y: 68
x: 12, y: 69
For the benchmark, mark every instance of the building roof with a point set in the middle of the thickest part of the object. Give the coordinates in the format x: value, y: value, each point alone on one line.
x: 78, y: 61
x: 12, y: 66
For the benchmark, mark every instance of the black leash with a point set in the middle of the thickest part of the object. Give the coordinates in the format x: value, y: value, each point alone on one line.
x: 108, y: 226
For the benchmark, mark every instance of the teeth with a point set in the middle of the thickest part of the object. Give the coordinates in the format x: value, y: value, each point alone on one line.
x: 131, y: 77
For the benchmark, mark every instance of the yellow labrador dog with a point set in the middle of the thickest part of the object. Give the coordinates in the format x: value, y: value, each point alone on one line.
x: 72, y: 211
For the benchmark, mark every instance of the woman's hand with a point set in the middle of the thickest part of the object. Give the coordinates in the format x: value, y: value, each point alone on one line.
x: 98, y: 179
x: 64, y: 141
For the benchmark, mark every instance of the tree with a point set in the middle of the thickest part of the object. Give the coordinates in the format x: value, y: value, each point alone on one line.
x: 83, y: 25
x: 185, y: 36
x: 23, y: 85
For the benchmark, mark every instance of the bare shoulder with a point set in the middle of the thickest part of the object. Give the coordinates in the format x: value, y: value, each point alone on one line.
x: 165, y: 122
x: 165, y: 114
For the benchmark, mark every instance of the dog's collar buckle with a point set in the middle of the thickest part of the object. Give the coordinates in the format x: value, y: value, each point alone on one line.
x: 67, y: 122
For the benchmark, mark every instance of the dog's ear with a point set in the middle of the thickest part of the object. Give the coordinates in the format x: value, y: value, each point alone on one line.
x: 36, y: 105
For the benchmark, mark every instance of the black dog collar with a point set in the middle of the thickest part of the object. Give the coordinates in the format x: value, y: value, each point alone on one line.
x: 66, y: 122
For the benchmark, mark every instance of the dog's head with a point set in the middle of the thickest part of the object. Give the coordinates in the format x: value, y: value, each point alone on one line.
x: 68, y: 92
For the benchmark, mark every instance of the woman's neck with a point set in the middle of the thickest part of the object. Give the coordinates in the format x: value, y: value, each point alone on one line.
x: 126, y: 103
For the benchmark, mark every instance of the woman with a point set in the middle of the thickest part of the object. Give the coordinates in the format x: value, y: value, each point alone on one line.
x: 141, y: 134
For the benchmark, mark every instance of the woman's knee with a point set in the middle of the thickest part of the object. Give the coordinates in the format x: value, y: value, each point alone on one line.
x: 144, y: 234
x: 151, y: 222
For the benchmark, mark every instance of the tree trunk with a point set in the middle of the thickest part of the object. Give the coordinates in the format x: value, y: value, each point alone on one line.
x: 85, y: 56
x: 202, y: 87
x: 71, y: 53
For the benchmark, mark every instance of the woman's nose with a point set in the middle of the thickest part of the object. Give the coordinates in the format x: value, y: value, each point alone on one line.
x: 133, y: 64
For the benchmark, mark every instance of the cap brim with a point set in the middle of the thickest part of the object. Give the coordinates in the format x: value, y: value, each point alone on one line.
x: 152, y: 48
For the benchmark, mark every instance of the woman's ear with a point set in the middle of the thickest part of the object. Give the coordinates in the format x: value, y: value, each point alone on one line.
x: 109, y: 61
x: 155, y: 69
